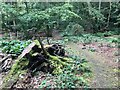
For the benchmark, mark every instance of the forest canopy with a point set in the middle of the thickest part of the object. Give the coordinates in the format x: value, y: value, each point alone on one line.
x: 46, y: 16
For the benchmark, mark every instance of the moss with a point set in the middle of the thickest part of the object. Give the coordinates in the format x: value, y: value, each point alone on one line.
x: 58, y: 63
x: 37, y: 42
x: 16, y: 70
x: 57, y: 70
x: 19, y: 65
x: 56, y: 59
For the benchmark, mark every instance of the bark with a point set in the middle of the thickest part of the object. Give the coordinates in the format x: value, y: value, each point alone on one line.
x: 109, y: 15
x: 26, y: 4
x: 99, y: 5
x: 26, y: 59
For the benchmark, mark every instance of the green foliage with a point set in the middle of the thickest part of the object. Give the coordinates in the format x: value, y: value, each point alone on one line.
x: 96, y: 18
x: 43, y: 84
x: 70, y: 80
x: 72, y: 75
x: 108, y: 33
x: 73, y: 29
x: 23, y: 20
x: 9, y: 14
x: 20, y: 16
x: 115, y: 15
x: 96, y: 14
x: 91, y: 38
x: 63, y: 12
x: 114, y: 40
x: 84, y: 38
x: 78, y: 29
x: 33, y: 19
x: 118, y: 19
x: 14, y: 46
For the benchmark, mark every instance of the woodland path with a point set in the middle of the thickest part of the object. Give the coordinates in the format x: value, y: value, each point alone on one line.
x: 103, y: 70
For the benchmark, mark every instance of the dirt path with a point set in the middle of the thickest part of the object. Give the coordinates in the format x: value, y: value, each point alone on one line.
x: 103, y: 70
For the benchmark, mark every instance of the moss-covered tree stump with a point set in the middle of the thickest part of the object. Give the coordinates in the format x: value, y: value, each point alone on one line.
x: 33, y: 56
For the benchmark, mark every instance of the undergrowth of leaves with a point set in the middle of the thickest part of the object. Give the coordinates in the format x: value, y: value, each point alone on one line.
x: 13, y: 46
x: 73, y: 76
x: 90, y: 38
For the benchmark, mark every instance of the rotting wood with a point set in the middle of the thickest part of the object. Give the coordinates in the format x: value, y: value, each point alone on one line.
x: 43, y: 57
x: 3, y: 59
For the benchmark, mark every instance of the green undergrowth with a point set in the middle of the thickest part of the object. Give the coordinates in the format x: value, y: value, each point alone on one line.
x: 108, y: 33
x: 72, y: 76
x: 87, y: 39
x: 13, y: 46
x: 90, y: 38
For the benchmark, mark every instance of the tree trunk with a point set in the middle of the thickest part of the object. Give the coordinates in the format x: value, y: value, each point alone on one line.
x: 109, y: 15
x: 99, y: 5
x: 26, y: 7
x: 89, y: 6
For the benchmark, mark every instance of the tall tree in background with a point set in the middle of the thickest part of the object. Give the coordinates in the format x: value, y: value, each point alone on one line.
x: 92, y: 16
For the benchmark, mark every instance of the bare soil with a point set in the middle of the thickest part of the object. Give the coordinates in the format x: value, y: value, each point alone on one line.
x: 103, y: 64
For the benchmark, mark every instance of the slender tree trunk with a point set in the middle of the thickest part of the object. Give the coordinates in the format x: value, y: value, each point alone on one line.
x: 109, y: 15
x: 1, y: 18
x: 99, y: 5
x: 47, y: 34
x: 89, y: 6
x: 26, y: 4
x: 14, y: 27
x: 47, y: 27
x: 99, y: 27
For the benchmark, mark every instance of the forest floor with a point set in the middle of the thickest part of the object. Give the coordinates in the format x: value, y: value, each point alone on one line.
x: 103, y: 60
x: 103, y: 64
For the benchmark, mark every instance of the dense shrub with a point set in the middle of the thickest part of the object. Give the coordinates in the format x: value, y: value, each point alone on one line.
x: 73, y: 29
